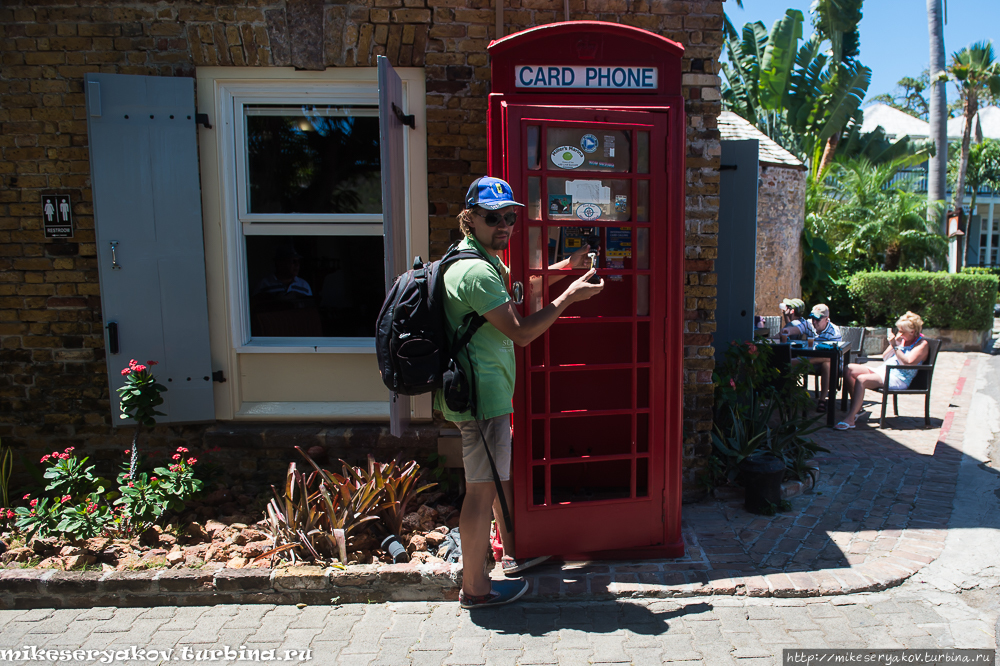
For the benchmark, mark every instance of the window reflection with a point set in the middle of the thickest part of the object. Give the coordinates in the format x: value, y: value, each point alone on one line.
x: 314, y: 286
x: 313, y: 160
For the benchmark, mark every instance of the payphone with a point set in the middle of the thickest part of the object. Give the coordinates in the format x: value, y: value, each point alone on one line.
x: 586, y: 122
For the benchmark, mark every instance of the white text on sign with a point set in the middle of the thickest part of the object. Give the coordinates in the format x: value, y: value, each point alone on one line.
x: 615, y: 78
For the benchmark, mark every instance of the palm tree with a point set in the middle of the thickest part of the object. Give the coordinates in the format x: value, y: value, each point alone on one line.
x: 983, y: 169
x: 977, y: 73
x: 938, y: 112
x: 869, y: 219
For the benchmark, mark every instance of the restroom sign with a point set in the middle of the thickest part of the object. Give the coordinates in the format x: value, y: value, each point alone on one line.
x: 594, y: 77
x: 57, y: 215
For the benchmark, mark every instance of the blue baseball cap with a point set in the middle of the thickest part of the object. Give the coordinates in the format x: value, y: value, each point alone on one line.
x: 490, y: 193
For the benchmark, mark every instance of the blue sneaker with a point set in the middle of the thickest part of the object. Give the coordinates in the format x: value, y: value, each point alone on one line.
x: 501, y: 592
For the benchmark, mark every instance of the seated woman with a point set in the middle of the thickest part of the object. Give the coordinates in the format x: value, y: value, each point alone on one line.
x: 908, y: 347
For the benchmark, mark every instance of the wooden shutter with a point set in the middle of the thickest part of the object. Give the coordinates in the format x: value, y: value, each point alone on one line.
x: 736, y: 263
x: 392, y: 141
x: 150, y: 249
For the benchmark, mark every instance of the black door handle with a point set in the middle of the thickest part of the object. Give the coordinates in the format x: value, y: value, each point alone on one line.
x: 113, y: 337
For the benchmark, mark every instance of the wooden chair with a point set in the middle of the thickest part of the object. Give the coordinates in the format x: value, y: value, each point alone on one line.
x: 921, y: 384
x: 856, y: 336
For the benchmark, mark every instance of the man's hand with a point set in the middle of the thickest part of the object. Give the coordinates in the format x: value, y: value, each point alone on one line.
x: 578, y: 259
x: 581, y: 290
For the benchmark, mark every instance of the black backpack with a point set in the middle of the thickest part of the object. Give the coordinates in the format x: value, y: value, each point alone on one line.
x: 414, y: 352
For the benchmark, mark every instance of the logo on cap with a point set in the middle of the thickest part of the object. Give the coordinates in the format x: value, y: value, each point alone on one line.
x: 498, y: 188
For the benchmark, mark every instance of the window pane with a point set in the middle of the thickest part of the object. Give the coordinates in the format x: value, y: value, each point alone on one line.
x: 592, y: 149
x: 533, y: 131
x: 313, y: 160
x: 314, y: 286
x: 642, y: 151
x: 588, y: 200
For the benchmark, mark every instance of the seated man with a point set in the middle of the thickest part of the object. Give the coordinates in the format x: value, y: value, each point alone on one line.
x: 825, y: 331
x: 795, y: 326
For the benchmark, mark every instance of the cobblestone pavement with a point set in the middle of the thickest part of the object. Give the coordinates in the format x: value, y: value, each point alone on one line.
x: 715, y: 631
x: 876, y: 515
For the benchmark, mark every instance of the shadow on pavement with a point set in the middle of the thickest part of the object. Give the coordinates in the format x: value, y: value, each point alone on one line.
x: 594, y: 617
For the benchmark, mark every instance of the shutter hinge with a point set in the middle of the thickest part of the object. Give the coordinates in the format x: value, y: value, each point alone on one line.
x: 217, y: 376
x: 408, y: 120
x: 202, y: 119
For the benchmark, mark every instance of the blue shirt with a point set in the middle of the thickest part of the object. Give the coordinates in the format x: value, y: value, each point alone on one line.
x: 829, y: 334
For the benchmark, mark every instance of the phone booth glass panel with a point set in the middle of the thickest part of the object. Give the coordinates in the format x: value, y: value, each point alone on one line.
x: 596, y: 466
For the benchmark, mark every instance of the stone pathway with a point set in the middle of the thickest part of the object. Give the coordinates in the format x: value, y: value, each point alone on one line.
x: 876, y: 515
x: 716, y: 631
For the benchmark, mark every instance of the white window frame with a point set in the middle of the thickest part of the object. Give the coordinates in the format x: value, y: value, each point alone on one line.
x: 231, y: 98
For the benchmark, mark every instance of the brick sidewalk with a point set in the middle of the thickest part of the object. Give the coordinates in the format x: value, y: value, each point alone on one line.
x: 878, y: 514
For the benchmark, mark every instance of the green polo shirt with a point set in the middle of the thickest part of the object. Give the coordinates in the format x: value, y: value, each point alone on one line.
x: 473, y: 286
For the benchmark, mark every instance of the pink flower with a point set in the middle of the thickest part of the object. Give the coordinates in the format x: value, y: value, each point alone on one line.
x: 34, y: 503
x: 10, y: 514
x: 752, y: 348
x: 176, y: 456
x: 732, y: 383
x: 132, y: 363
x: 192, y: 461
x: 45, y: 458
x: 65, y: 498
x: 125, y: 371
x: 125, y: 476
x: 139, y: 368
x: 26, y: 496
x: 152, y: 362
x: 128, y: 451
x: 131, y: 485
x: 152, y: 478
x: 181, y: 449
x: 70, y: 448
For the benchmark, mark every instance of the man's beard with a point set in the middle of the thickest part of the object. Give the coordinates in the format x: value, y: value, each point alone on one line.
x: 499, y: 243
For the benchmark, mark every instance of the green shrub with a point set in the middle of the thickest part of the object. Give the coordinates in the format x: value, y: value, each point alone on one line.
x: 943, y: 300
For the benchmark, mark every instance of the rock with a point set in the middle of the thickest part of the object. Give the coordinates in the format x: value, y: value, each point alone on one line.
x: 229, y: 508
x: 150, y: 537
x: 78, y: 561
x: 167, y: 540
x: 255, y: 549
x: 453, y: 520
x: 443, y: 529
x: 194, y: 556
x: 417, y: 543
x: 213, y: 527
x: 255, y: 535
x: 428, y: 517
x: 44, y: 546
x: 127, y: 562
x: 107, y: 567
x: 238, y: 539
x: 206, y: 511
x: 420, y: 556
x: 96, y: 544
x: 175, y: 557
x: 154, y: 557
x: 69, y: 551
x: 411, y: 522
x: 17, y: 555
x: 236, y: 563
x: 434, y: 540
x: 51, y: 563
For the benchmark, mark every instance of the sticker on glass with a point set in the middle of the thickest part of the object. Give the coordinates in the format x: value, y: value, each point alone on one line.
x: 621, y: 203
x: 560, y: 204
x: 609, y: 145
x: 601, y: 165
x: 567, y: 157
x: 588, y: 143
x: 588, y: 211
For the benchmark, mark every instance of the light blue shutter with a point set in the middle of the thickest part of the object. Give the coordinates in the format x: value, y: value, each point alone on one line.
x: 736, y: 262
x: 147, y: 205
x: 392, y: 141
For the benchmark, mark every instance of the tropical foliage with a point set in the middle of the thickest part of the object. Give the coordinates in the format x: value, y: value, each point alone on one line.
x: 982, y: 170
x: 977, y: 73
x: 873, y: 222
x: 807, y: 97
x: 944, y: 300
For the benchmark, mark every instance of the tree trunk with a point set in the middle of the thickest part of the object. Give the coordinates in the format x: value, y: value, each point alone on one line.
x: 971, y: 107
x: 828, y: 153
x: 938, y: 116
x: 893, y: 254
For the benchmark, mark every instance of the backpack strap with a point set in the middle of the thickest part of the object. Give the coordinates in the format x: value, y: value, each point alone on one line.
x: 472, y: 323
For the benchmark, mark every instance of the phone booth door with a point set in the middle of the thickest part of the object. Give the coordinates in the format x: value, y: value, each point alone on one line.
x: 589, y: 468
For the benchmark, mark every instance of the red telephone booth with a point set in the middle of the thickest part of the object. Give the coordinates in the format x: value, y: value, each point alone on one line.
x: 586, y: 122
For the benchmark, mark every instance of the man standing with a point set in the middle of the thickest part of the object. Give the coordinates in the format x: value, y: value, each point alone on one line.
x: 477, y: 286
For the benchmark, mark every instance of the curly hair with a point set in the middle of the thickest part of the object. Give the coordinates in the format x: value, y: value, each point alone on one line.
x: 911, y: 321
x: 465, y: 221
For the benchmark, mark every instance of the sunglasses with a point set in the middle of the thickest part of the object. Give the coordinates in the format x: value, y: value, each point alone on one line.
x: 493, y: 218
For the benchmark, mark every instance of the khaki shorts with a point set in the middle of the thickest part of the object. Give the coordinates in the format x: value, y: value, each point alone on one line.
x: 498, y: 433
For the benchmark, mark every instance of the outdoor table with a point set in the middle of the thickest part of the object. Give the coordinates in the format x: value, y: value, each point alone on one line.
x: 835, y: 352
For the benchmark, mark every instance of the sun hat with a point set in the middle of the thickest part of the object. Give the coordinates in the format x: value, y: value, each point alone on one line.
x: 490, y: 193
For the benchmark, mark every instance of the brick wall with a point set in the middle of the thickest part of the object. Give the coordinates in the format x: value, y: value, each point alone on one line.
x: 53, y: 384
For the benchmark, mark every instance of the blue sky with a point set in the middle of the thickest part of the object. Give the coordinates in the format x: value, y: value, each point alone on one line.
x: 893, y: 32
